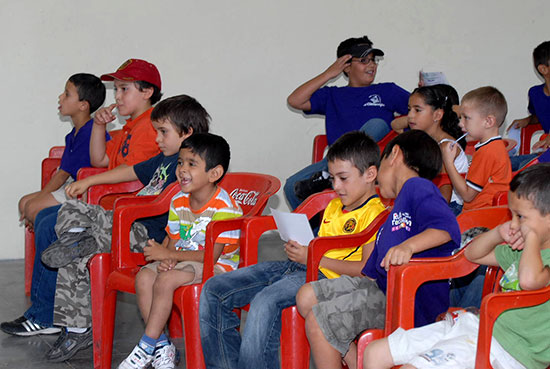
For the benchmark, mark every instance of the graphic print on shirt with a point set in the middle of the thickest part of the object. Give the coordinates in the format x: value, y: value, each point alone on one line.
x: 349, y: 225
x: 192, y: 236
x: 401, y: 220
x: 125, y: 149
x: 375, y: 100
x: 157, y: 182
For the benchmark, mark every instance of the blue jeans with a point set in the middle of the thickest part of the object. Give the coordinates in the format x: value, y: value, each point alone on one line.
x: 43, y: 278
x: 520, y: 161
x: 268, y: 287
x: 376, y: 128
x: 466, y: 291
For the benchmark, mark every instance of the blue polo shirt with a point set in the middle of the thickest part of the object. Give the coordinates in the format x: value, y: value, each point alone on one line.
x: 539, y: 105
x: 348, y: 108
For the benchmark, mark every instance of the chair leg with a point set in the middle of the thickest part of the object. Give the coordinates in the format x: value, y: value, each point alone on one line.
x: 99, y: 268
x: 175, y: 324
x: 29, y: 259
x: 294, y: 344
x: 193, y: 350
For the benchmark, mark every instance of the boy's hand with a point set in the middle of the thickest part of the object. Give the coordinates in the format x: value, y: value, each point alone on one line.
x: 397, y: 255
x: 104, y: 115
x: 511, y: 237
x: 449, y: 152
x: 518, y: 123
x: 166, y: 265
x: 296, y: 252
x: 338, y: 66
x: 542, y: 144
x: 156, y: 252
x: 76, y: 188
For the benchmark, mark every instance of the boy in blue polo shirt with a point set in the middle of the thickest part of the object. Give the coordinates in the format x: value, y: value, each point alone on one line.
x: 83, y: 94
x: 361, y: 105
x: 419, y: 225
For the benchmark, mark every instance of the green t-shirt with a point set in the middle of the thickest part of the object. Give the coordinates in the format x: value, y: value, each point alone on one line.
x: 525, y: 332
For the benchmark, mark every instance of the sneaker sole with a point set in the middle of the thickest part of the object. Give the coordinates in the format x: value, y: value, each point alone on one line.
x: 35, y: 333
x: 68, y: 355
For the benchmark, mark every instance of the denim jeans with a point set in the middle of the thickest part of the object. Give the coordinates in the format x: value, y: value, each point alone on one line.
x: 520, y: 161
x: 466, y: 291
x: 43, y: 277
x: 268, y: 287
x: 375, y: 128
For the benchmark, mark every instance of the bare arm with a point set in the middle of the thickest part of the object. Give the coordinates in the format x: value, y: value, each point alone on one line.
x: 299, y: 98
x: 482, y: 248
x: 532, y: 274
x: 98, y: 155
x: 449, y: 153
x: 122, y: 173
x: 400, y: 123
x: 524, y: 122
x: 57, y: 180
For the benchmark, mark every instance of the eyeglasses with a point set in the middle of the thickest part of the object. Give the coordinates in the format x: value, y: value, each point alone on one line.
x: 367, y: 61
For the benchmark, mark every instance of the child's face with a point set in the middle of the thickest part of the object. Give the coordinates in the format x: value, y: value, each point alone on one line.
x: 421, y: 115
x: 168, y: 138
x: 526, y: 218
x: 352, y: 187
x: 471, y: 120
x: 361, y: 71
x: 129, y: 99
x: 191, y: 172
x: 69, y: 103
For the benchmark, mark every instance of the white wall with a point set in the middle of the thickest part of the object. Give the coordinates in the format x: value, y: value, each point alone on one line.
x: 241, y: 59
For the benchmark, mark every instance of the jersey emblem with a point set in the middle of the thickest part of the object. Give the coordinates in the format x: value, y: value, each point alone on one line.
x: 350, y: 225
x: 375, y: 100
x: 401, y: 220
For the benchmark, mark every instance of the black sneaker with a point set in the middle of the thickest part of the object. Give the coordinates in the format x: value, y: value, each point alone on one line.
x: 68, y: 344
x: 67, y: 248
x: 24, y: 327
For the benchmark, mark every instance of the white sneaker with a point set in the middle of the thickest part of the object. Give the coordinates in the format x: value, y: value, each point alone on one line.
x: 165, y: 357
x: 138, y: 359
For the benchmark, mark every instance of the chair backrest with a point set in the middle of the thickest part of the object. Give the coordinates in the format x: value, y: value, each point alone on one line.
x: 404, y: 280
x: 526, y: 135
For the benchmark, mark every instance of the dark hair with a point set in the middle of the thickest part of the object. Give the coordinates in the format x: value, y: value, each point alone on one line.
x: 156, y: 96
x: 421, y: 153
x: 346, y: 46
x: 532, y: 184
x: 541, y: 54
x: 443, y: 97
x: 89, y: 89
x: 184, y: 112
x: 490, y: 101
x: 213, y: 149
x: 356, y: 147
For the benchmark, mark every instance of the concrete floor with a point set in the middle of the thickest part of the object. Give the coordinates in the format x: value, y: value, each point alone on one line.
x: 28, y: 352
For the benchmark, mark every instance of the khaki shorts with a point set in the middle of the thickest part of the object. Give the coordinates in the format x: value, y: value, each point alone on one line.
x: 347, y: 306
x: 194, y: 267
x: 59, y: 195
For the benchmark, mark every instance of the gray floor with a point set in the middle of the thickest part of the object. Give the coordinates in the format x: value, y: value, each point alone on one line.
x: 28, y: 352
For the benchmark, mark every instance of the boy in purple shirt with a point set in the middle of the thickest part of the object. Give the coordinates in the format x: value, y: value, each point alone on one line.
x: 420, y: 225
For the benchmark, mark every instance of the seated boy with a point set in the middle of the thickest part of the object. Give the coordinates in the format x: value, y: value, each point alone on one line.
x: 83, y: 94
x: 482, y: 112
x: 175, y: 119
x: 137, y: 89
x: 270, y: 287
x: 359, y: 105
x: 419, y: 225
x: 203, y: 161
x: 539, y: 104
x: 521, y: 247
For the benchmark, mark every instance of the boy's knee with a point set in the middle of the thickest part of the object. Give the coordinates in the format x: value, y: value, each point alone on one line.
x: 378, y: 355
x: 312, y: 327
x: 305, y: 299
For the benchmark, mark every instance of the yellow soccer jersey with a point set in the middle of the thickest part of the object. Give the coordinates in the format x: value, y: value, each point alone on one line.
x: 338, y: 223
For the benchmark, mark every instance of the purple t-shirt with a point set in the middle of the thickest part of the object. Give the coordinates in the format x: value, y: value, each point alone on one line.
x: 418, y: 206
x: 539, y: 105
x: 348, y: 108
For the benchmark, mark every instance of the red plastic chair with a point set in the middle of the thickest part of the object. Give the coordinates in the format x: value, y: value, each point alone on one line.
x: 320, y: 144
x: 526, y: 135
x: 404, y: 280
x: 114, y: 272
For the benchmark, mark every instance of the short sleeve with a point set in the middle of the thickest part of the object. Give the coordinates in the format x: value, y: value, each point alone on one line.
x: 318, y: 101
x: 146, y: 169
x: 480, y: 168
x: 530, y: 106
x: 401, y: 99
x: 173, y: 226
x: 505, y: 256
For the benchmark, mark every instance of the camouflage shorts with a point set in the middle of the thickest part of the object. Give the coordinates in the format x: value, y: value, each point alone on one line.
x: 347, y: 306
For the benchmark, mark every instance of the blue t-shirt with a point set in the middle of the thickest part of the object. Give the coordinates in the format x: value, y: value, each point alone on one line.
x: 539, y: 105
x: 156, y: 174
x: 418, y: 206
x: 348, y: 108
x: 77, y: 149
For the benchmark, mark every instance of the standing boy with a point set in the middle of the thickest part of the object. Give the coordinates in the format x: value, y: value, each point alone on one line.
x: 359, y: 105
x: 521, y: 247
x: 174, y: 119
x: 270, y: 287
x: 482, y: 112
x: 203, y: 161
x: 84, y: 93
x: 419, y: 225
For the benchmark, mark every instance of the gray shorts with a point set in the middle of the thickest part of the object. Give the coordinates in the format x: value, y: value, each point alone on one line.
x: 347, y: 306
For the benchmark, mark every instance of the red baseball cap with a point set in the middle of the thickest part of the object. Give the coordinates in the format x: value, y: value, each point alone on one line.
x: 135, y: 70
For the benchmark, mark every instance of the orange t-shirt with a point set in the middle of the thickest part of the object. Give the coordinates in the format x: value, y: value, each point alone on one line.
x: 136, y: 142
x: 489, y: 173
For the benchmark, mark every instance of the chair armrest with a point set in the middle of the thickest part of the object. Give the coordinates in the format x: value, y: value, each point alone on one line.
x: 320, y: 245
x: 97, y: 192
x: 88, y: 172
x: 133, y: 200
x: 495, y: 304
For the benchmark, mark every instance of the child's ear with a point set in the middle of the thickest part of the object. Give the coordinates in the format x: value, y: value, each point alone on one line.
x: 147, y: 92
x: 214, y: 174
x: 371, y: 173
x: 186, y: 135
x: 84, y: 106
x: 490, y: 121
x: 438, y: 115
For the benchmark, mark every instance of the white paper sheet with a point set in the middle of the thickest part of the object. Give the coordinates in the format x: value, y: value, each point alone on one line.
x: 293, y: 226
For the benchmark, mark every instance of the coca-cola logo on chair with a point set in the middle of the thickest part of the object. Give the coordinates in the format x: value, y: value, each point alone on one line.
x: 245, y: 197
